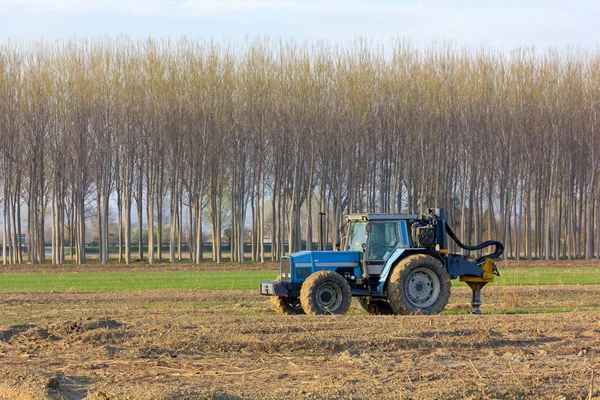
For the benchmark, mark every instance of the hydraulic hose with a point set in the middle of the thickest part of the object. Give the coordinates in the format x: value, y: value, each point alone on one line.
x: 499, y: 249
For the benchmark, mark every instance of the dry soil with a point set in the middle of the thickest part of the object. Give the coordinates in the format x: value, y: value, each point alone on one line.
x: 180, y: 344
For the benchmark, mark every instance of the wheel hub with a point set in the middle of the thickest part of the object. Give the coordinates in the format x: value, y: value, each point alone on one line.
x: 422, y: 287
x: 329, y: 296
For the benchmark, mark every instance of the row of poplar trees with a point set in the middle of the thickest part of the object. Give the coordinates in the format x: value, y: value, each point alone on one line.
x: 194, y: 135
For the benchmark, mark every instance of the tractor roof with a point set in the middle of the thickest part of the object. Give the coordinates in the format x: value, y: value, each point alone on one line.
x: 379, y: 217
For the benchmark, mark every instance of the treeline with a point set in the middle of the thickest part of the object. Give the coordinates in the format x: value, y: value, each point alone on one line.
x: 193, y: 133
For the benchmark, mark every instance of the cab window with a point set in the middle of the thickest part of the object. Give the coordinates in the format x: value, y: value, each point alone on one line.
x: 356, y: 235
x: 383, y: 239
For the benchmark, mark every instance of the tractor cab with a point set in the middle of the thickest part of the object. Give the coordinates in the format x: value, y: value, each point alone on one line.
x: 376, y: 236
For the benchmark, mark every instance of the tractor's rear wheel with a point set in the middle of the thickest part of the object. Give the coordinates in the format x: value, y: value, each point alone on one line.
x: 419, y: 285
x: 375, y: 307
x: 325, y: 292
x: 286, y: 305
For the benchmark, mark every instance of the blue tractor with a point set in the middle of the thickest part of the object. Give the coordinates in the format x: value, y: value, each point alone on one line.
x: 392, y: 264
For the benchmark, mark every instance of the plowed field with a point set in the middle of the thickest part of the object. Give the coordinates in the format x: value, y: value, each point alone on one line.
x: 179, y: 344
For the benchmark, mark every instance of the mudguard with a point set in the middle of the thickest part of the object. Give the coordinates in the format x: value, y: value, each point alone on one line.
x: 396, y: 255
x: 387, y: 268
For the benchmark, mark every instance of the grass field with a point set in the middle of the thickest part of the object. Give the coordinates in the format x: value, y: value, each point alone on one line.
x: 119, y: 280
x: 244, y: 279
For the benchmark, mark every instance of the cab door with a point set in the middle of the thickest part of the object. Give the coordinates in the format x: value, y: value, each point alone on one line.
x: 383, y: 238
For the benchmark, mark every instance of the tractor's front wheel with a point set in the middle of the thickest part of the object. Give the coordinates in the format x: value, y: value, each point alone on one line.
x: 286, y: 305
x: 325, y: 292
x: 419, y: 285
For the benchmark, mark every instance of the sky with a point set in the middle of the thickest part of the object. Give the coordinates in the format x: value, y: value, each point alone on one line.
x: 493, y: 23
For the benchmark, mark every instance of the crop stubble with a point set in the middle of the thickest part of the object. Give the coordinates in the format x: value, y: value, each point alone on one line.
x: 177, y: 344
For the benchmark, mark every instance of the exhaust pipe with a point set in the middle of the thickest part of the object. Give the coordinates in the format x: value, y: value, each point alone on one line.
x: 321, y: 246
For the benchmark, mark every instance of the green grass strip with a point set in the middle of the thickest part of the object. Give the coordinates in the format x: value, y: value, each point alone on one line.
x: 246, y: 280
x: 119, y: 281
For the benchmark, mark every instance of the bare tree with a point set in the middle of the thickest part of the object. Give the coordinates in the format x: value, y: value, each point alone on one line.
x: 205, y: 134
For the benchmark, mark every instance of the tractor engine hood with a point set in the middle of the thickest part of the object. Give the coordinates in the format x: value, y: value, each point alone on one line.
x: 304, y: 263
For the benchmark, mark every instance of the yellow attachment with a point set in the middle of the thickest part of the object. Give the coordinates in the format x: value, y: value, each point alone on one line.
x: 488, y: 275
x: 443, y: 251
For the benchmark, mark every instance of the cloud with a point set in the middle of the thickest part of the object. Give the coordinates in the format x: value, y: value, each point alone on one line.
x: 213, y: 7
x: 138, y: 7
x: 304, y: 6
x: 451, y: 12
x: 470, y: 22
